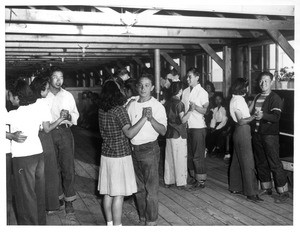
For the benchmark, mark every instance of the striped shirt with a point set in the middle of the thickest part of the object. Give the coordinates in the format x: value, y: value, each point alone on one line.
x: 258, y: 106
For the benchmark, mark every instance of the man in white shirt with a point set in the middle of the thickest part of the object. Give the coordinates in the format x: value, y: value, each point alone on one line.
x: 196, y: 98
x: 146, y: 152
x: 61, y: 100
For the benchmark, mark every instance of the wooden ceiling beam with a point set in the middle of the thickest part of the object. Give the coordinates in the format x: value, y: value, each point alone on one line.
x: 169, y: 59
x: 48, y: 29
x: 20, y: 45
x: 263, y: 9
x: 278, y: 38
x: 87, y: 53
x: 210, y: 51
x: 72, y: 17
x: 84, y: 40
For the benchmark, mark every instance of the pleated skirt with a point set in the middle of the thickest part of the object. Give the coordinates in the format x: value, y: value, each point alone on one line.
x: 116, y: 176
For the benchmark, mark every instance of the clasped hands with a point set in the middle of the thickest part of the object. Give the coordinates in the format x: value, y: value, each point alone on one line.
x: 147, y: 112
x: 65, y: 114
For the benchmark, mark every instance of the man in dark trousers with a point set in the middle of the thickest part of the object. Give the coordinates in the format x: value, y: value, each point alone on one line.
x: 61, y: 100
x: 267, y: 107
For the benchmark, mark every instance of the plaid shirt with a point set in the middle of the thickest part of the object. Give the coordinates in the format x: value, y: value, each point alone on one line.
x: 115, y: 143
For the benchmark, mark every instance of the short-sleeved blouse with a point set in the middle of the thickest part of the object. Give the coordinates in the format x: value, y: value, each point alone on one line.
x: 238, y: 102
x: 115, y: 144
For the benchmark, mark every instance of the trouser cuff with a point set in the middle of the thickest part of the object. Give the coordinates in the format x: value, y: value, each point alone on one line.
x: 200, y: 177
x: 72, y: 198
x: 283, y: 189
x: 266, y: 185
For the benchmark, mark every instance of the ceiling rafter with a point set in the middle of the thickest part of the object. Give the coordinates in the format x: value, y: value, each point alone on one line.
x: 69, y: 17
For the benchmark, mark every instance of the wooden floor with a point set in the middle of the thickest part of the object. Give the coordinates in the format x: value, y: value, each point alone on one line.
x: 213, y: 205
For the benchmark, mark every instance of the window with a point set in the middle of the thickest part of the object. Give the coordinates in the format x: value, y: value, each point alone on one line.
x: 216, y: 70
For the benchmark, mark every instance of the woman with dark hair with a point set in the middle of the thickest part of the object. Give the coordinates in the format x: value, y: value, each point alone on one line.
x: 116, y: 174
x: 176, y: 135
x: 40, y: 88
x: 242, y: 170
x: 28, y: 158
x: 130, y: 88
x: 216, y: 135
x: 210, y: 89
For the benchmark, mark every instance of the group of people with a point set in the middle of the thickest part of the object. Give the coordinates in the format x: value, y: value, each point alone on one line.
x: 130, y: 122
x: 41, y: 147
x: 181, y: 120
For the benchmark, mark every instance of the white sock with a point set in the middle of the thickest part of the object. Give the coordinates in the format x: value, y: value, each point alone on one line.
x: 119, y: 225
x: 110, y: 223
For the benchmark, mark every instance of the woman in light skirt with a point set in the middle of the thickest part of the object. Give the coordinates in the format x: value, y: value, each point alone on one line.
x: 116, y: 174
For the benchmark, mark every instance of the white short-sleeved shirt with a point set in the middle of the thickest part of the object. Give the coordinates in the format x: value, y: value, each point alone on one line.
x: 28, y: 120
x: 147, y: 133
x: 238, y: 102
x: 7, y: 142
x: 199, y: 96
x: 219, y: 116
x: 63, y: 100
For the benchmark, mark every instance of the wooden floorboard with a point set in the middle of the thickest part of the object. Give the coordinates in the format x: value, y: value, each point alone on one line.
x: 213, y: 205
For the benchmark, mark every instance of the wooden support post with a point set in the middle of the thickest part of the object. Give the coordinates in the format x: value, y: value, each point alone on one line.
x: 203, y: 69
x: 240, y: 61
x: 249, y: 68
x: 157, y: 72
x: 170, y: 60
x: 182, y: 67
x: 227, y: 70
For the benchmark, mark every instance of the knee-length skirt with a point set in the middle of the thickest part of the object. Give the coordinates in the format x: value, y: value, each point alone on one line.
x: 116, y: 176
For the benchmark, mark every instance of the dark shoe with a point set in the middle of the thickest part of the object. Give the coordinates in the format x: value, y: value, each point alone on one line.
x: 191, y: 181
x: 237, y: 192
x: 198, y: 185
x: 168, y: 185
x: 258, y: 198
x: 69, y: 207
x: 61, y: 204
x: 254, y: 198
x: 182, y: 187
x: 283, y: 197
x: 266, y: 192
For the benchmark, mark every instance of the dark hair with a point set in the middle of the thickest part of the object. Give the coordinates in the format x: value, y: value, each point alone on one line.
x: 174, y: 72
x: 175, y: 87
x: 239, y: 87
x: 221, y: 96
x: 211, y: 86
x: 22, y: 89
x: 38, y: 85
x: 122, y: 72
x: 147, y: 75
x: 111, y: 96
x: 265, y: 74
x: 54, y: 69
x: 195, y: 71
x: 130, y: 84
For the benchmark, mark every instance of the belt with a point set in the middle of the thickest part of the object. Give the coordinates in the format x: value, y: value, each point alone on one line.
x: 64, y: 125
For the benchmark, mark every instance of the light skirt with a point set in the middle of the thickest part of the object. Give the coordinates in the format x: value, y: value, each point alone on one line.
x: 116, y: 176
x: 176, y: 162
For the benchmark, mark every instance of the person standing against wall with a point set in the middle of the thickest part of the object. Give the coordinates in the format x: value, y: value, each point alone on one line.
x: 195, y: 98
x: 62, y: 100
